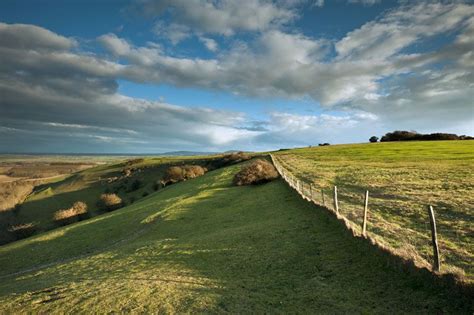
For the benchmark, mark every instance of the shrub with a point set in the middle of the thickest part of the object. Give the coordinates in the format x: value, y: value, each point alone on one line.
x: 109, y: 202
x: 24, y: 230
x: 257, y: 172
x: 193, y: 171
x: 77, y: 212
x: 176, y: 174
x: 401, y: 135
x: 373, y: 139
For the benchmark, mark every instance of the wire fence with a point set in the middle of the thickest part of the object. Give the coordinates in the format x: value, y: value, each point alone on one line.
x: 417, y: 242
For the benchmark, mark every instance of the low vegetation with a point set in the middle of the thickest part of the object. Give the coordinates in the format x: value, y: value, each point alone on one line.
x: 401, y: 135
x: 403, y: 178
x: 109, y: 202
x: 21, y: 231
x: 255, y: 172
x: 77, y: 212
x: 206, y: 246
x: 176, y: 174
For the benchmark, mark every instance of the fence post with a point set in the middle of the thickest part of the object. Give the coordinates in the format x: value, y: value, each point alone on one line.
x: 366, y: 205
x: 322, y: 195
x: 434, y: 240
x: 336, y: 205
x: 310, y: 191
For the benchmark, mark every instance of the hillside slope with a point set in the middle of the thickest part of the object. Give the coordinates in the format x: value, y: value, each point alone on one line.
x: 206, y: 246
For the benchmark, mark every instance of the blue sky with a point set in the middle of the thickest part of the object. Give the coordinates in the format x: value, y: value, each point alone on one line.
x: 146, y: 76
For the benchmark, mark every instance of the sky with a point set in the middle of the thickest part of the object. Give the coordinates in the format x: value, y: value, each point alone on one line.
x: 152, y: 76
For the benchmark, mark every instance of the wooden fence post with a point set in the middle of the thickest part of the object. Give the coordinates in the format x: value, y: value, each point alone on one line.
x: 434, y: 240
x: 310, y: 191
x: 336, y: 205
x: 366, y: 205
x: 322, y: 195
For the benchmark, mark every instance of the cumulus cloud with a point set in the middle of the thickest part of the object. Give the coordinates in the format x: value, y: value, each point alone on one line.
x: 54, y: 97
x: 293, y: 65
x: 223, y: 17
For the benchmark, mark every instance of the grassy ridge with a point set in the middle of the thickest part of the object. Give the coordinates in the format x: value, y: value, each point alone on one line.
x: 403, y: 179
x: 206, y: 246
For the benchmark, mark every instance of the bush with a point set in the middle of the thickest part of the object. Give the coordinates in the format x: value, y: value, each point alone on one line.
x: 373, y: 139
x: 77, y: 212
x: 176, y: 174
x: 21, y: 231
x: 401, y: 135
x: 109, y: 202
x: 257, y: 172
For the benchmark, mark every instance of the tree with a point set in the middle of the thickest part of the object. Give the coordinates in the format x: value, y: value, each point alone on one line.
x: 373, y: 139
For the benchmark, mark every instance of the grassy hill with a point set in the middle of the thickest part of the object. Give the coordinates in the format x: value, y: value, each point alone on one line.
x: 206, y: 246
x: 403, y: 179
x: 87, y: 186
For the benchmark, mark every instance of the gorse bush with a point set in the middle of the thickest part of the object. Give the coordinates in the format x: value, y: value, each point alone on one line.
x: 109, y: 202
x: 256, y: 172
x: 77, y: 212
x: 176, y: 174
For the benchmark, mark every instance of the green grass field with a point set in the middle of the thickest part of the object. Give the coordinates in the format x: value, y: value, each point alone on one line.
x: 206, y: 246
x: 403, y: 179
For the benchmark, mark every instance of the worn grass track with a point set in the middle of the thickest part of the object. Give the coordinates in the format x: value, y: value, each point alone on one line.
x: 206, y: 246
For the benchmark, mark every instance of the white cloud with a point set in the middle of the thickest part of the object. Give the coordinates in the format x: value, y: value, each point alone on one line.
x: 174, y: 32
x: 222, y: 16
x: 210, y: 44
x: 115, y: 45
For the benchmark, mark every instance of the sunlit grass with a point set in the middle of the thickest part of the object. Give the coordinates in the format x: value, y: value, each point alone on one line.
x: 403, y: 179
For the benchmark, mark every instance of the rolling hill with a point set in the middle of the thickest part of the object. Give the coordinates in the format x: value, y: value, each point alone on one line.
x: 206, y: 246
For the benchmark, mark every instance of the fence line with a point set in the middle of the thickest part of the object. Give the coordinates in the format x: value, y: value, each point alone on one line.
x: 357, y: 230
